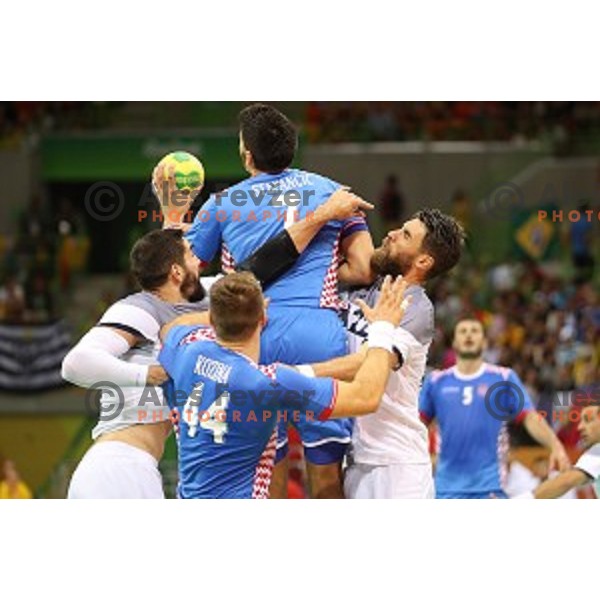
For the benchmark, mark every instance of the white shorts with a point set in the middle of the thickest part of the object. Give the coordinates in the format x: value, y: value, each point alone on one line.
x: 115, y: 470
x: 370, y: 482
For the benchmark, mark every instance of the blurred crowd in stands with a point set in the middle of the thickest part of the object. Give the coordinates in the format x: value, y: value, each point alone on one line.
x: 544, y: 326
x: 24, y: 121
x: 39, y: 261
x: 386, y: 121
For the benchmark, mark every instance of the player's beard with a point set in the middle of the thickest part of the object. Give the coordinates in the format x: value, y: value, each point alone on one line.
x: 383, y: 263
x: 191, y: 288
x: 470, y: 354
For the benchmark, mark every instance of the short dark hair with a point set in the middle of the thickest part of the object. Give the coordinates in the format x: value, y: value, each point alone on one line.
x: 236, y: 306
x: 269, y: 136
x: 153, y: 255
x: 444, y: 240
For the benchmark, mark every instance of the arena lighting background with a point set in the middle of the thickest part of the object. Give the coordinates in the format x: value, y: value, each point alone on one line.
x: 523, y: 177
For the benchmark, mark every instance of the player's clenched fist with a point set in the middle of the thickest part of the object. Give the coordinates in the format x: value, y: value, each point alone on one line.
x: 156, y: 375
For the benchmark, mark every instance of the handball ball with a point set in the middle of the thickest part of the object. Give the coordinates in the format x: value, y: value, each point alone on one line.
x: 188, y: 171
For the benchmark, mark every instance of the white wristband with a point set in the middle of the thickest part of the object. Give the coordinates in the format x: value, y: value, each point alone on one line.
x: 142, y: 376
x: 306, y: 370
x: 381, y: 335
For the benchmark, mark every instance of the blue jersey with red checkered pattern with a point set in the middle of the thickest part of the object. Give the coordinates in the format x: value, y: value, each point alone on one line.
x: 229, y: 407
x: 472, y: 413
x: 242, y: 218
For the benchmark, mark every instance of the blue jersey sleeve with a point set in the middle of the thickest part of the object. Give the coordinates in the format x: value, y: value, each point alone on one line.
x: 314, y: 396
x: 353, y: 225
x: 427, y: 401
x: 205, y: 234
x: 519, y: 400
x: 171, y: 344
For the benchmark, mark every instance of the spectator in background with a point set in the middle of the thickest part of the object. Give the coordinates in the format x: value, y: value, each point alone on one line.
x: 391, y: 202
x: 35, y: 221
x: 12, y: 301
x: 11, y: 485
x: 39, y: 299
x: 581, y: 246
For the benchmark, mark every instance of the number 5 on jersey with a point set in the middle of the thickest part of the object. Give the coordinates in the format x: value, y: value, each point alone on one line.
x: 467, y: 395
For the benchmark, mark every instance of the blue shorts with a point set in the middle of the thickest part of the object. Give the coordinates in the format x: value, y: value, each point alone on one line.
x: 496, y: 494
x: 297, y: 336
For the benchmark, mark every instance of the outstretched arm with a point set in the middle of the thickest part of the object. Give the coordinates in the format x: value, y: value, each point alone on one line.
x: 540, y: 431
x: 97, y: 358
x: 279, y: 254
x: 561, y: 484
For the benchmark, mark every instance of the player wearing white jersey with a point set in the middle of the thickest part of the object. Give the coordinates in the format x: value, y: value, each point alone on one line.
x: 119, y: 357
x: 586, y: 469
x: 121, y: 352
x: 390, y: 456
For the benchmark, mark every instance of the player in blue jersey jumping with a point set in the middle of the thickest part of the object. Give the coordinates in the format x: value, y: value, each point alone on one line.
x: 303, y: 322
x: 472, y: 403
x: 230, y: 405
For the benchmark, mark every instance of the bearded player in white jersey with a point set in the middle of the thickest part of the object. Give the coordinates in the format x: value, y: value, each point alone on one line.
x: 119, y: 357
x: 121, y: 352
x: 390, y: 457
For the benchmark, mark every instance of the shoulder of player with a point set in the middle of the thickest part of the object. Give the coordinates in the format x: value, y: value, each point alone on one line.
x: 274, y: 373
x: 419, y: 300
x: 201, y: 333
x: 439, y: 375
x: 504, y: 372
x: 316, y: 178
x: 589, y: 462
x: 418, y: 320
x: 131, y: 310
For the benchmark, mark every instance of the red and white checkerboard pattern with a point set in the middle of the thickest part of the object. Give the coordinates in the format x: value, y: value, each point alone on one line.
x: 329, y: 294
x: 202, y: 334
x: 264, y: 469
x: 269, y: 370
x: 227, y: 260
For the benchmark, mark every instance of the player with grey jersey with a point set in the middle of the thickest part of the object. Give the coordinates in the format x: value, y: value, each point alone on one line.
x: 119, y: 357
x: 121, y: 352
x: 390, y: 456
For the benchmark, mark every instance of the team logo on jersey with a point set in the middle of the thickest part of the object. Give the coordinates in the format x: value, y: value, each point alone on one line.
x: 482, y: 389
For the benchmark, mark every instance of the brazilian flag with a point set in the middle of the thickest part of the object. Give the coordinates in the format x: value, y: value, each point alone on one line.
x: 535, y: 238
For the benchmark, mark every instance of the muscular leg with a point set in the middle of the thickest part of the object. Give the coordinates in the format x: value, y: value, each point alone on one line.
x: 325, y: 481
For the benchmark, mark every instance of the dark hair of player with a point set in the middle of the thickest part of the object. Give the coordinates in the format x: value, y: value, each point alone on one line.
x: 236, y: 306
x: 444, y: 240
x: 269, y: 136
x: 153, y: 255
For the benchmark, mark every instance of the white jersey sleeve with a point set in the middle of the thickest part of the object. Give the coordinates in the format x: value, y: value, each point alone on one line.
x: 394, y: 434
x: 589, y: 462
x: 416, y: 328
x: 134, y: 319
